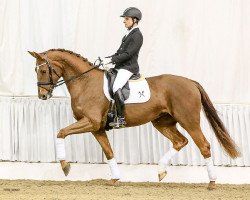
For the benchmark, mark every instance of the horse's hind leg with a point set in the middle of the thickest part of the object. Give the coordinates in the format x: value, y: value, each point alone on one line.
x: 189, y: 119
x: 204, y: 147
x: 103, y: 140
x: 167, y: 126
x: 186, y: 111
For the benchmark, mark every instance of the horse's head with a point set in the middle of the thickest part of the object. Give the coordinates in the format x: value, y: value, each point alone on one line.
x: 48, y: 73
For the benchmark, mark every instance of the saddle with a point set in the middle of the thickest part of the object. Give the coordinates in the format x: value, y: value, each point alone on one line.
x: 111, y: 75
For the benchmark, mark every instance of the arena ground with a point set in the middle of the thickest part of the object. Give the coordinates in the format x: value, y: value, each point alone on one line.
x: 102, y: 189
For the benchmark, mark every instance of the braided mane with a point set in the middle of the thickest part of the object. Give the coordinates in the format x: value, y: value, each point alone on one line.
x: 72, y: 53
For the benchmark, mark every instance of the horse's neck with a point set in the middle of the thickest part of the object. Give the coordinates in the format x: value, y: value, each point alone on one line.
x: 74, y: 67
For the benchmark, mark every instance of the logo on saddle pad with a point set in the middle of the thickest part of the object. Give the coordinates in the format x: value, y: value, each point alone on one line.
x: 135, y: 91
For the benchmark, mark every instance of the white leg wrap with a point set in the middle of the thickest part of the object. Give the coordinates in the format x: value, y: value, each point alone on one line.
x: 60, y: 149
x: 115, y: 173
x: 210, y: 169
x: 165, y: 159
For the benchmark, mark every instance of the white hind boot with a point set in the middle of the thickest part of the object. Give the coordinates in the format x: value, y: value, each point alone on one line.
x: 162, y: 172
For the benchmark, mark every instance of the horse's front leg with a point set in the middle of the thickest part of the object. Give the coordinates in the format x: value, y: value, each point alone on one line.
x: 81, y: 126
x: 103, y: 140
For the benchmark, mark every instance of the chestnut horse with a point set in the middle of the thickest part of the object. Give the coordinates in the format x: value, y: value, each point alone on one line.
x: 174, y: 99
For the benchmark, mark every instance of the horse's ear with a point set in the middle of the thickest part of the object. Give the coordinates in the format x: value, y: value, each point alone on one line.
x: 35, y: 55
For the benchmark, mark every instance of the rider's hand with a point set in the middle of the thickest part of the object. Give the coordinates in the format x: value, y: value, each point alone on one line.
x: 106, y: 61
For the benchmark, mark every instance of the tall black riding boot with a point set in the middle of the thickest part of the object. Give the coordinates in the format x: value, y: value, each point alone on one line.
x: 119, y: 121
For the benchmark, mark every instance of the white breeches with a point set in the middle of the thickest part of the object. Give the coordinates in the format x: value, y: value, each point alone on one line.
x: 121, y: 79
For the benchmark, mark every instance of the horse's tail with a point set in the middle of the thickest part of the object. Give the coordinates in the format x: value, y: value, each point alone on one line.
x: 219, y: 129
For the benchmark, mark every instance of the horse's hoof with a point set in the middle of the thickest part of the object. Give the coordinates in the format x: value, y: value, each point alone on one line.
x: 162, y: 175
x: 66, y: 169
x: 113, y: 181
x: 211, y: 185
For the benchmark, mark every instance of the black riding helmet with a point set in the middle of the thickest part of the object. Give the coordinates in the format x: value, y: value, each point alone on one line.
x: 132, y: 12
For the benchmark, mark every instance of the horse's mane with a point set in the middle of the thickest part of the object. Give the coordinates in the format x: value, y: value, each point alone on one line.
x: 73, y: 53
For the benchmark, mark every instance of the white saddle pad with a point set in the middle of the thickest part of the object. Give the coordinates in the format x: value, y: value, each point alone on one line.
x: 139, y: 91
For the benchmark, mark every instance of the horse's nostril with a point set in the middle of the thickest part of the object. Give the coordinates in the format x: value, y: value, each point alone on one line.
x: 43, y: 97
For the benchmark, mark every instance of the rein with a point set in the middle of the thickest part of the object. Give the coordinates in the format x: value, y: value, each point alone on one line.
x: 61, y: 82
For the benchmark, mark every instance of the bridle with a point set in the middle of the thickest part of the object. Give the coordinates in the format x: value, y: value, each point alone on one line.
x: 50, y: 81
x: 61, y: 82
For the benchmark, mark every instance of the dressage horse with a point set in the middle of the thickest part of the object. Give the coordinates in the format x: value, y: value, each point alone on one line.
x: 173, y: 100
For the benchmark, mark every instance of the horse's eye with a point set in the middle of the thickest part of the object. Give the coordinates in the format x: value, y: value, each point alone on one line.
x: 43, y: 71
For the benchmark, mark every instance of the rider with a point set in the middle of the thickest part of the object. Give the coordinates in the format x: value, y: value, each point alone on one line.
x: 125, y: 59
